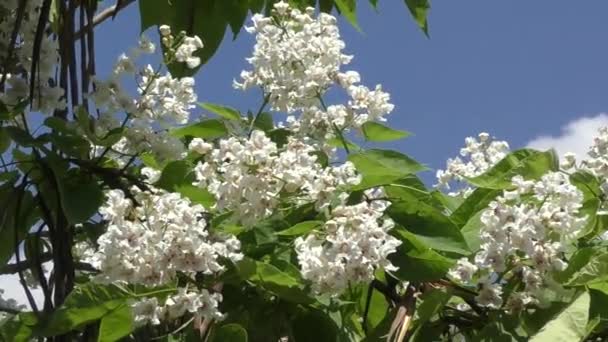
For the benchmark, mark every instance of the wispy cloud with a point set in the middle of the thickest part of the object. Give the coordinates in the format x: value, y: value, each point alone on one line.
x: 576, y: 136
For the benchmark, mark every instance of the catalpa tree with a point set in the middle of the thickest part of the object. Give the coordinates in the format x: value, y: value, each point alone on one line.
x: 139, y: 223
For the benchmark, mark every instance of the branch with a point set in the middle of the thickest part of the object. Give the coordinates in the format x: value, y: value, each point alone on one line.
x: 107, y: 13
x: 23, y: 265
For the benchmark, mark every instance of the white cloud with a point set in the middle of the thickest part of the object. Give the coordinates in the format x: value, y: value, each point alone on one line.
x: 576, y: 136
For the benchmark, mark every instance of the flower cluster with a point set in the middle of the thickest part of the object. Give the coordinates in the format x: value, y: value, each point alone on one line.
x: 525, y: 231
x: 200, y: 304
x: 480, y: 155
x: 349, y: 248
x: 186, y: 47
x: 162, y: 101
x: 247, y: 176
x: 47, y: 95
x: 297, y: 58
x: 148, y: 242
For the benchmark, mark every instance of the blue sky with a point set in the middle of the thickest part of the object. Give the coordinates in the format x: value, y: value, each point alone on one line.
x: 516, y: 69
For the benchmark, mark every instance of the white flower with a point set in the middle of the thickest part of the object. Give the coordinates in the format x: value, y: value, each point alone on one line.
x: 164, y: 234
x: 353, y: 243
x: 529, y: 234
x: 482, y: 154
x: 200, y: 146
x: 186, y: 49
x: 151, y: 175
x: 463, y: 271
x: 164, y: 30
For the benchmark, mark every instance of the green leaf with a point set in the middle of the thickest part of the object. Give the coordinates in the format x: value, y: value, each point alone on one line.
x: 230, y: 333
x: 196, y: 195
x: 264, y: 122
x: 11, y: 222
x: 529, y: 163
x: 271, y: 278
x: 595, y: 271
x: 301, y: 228
x: 568, y: 325
x: 471, y: 231
x: 5, y: 140
x: 419, y: 10
x: 416, y: 261
x: 478, y: 200
x: 176, y: 173
x: 223, y: 111
x: 348, y: 8
x: 378, y: 308
x: 428, y: 224
x: 116, y: 324
x: 373, y: 131
x: 80, y: 198
x: 380, y: 167
x: 204, y: 18
x: 314, y: 325
x: 87, y: 303
x: 235, y: 12
x: 431, y: 303
x: 326, y: 5
x: 207, y: 129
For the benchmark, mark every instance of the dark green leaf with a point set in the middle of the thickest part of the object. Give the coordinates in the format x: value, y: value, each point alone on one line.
x: 175, y: 174
x: 314, y: 325
x: 264, y: 122
x: 429, y: 225
x: 419, y: 10
x: 80, y: 198
x: 230, y: 333
x: 416, y: 261
x: 5, y: 140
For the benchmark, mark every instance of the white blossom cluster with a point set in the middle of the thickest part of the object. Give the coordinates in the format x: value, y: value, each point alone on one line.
x: 248, y: 176
x: 478, y: 156
x: 597, y: 158
x: 353, y: 243
x: 296, y: 59
x: 200, y: 304
x: 163, y: 234
x: 47, y: 95
x: 524, y: 231
x: 162, y: 101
